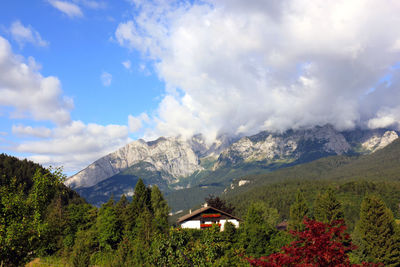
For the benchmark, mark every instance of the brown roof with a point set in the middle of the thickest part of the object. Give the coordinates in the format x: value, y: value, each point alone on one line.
x: 194, y: 213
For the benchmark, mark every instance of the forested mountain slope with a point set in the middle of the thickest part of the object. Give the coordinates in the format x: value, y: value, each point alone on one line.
x: 351, y: 178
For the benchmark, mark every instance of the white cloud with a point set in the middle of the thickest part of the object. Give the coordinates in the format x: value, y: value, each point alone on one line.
x: 76, y: 145
x: 127, y: 64
x: 72, y: 144
x: 239, y: 67
x: 23, y: 35
x: 22, y: 130
x: 106, y: 78
x: 28, y: 92
x: 92, y: 4
x: 68, y: 8
x: 136, y: 123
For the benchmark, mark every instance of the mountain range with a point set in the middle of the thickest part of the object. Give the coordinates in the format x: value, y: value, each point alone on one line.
x: 188, y: 170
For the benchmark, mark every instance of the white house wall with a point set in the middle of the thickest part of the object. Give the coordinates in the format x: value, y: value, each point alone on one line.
x: 191, y: 224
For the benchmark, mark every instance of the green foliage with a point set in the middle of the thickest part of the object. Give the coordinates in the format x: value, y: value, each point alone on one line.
x: 298, y: 210
x: 259, y: 229
x: 142, y: 198
x: 86, y: 245
x: 327, y: 208
x: 39, y: 216
x: 30, y: 211
x: 167, y: 249
x: 377, y: 233
x: 218, y: 203
x: 160, y: 209
x: 78, y: 217
x: 108, y: 228
x: 16, y: 225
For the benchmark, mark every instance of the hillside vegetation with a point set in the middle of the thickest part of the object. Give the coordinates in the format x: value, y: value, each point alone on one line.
x: 40, y: 217
x: 351, y: 177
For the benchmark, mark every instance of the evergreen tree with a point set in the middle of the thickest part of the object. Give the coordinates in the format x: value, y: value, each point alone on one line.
x: 229, y: 233
x: 258, y: 229
x: 140, y: 202
x: 121, y: 210
x: 327, y: 208
x: 218, y: 203
x: 141, y: 198
x: 298, y: 210
x: 160, y: 209
x: 377, y: 233
x: 109, y: 231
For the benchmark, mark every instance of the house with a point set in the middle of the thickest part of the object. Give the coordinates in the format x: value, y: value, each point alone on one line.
x: 205, y: 217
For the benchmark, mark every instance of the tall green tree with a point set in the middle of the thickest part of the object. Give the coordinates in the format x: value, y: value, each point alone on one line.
x: 160, y: 209
x: 109, y: 231
x: 298, y: 210
x: 258, y: 229
x: 121, y: 210
x: 218, y: 203
x: 141, y: 201
x: 327, y: 208
x: 142, y: 197
x: 377, y: 234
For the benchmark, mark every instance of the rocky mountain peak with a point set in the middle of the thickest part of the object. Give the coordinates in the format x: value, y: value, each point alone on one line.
x: 378, y: 140
x: 284, y: 147
x: 169, y: 155
x: 172, y: 158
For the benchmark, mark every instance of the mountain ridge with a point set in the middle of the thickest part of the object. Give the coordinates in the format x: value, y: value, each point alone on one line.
x: 179, y: 164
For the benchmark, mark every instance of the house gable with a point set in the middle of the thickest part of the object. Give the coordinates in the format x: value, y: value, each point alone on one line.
x: 205, y: 217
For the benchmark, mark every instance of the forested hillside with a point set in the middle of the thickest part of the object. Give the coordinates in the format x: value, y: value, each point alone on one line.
x: 37, y: 211
x: 351, y: 177
x: 41, y: 218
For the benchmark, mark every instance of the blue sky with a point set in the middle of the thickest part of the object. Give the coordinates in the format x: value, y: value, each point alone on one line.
x: 81, y: 78
x: 79, y: 50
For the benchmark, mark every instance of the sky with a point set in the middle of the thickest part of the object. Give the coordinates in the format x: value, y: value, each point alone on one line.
x: 81, y: 78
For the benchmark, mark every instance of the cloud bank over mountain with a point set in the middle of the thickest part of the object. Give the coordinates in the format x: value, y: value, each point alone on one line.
x: 240, y: 67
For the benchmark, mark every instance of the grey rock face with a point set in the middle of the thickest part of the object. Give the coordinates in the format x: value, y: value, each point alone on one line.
x: 171, y: 155
x: 203, y: 149
x: 176, y: 158
x: 269, y: 147
x: 379, y: 141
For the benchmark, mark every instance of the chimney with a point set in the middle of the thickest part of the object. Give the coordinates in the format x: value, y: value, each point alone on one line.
x: 190, y: 211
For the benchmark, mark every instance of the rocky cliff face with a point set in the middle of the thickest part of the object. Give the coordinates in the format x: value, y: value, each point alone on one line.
x: 174, y: 158
x: 169, y: 155
x: 379, y: 141
x: 288, y: 146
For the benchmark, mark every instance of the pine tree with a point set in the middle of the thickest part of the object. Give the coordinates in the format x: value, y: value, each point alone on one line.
x: 298, y: 211
x: 377, y: 233
x: 160, y: 209
x: 141, y: 198
x: 140, y: 202
x: 258, y: 229
x: 121, y: 210
x: 218, y: 203
x: 327, y: 208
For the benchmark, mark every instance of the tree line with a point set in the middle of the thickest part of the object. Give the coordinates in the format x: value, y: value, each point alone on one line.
x: 47, y: 220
